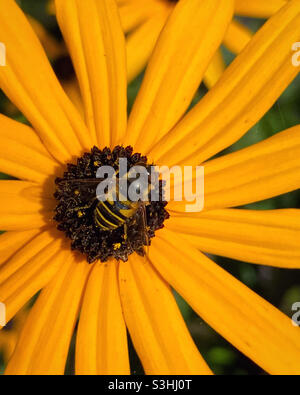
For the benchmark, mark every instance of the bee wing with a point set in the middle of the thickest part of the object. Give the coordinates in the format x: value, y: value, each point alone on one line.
x: 143, y: 227
x: 141, y: 222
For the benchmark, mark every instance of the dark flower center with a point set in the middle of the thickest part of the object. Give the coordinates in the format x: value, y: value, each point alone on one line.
x: 108, y: 228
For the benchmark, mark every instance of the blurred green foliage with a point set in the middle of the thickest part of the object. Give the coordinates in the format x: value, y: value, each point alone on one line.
x: 280, y: 287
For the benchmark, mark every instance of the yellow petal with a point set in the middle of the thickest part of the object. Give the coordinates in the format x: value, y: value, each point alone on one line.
x: 237, y: 37
x: 53, y: 48
x: 72, y: 90
x: 7, y: 344
x: 141, y: 42
x: 188, y: 41
x: 11, y: 242
x: 9, y: 338
x: 29, y: 81
x: 30, y: 277
x: 23, y: 205
x: 135, y: 12
x: 261, y: 171
x: 266, y: 237
x: 44, y: 342
x: 250, y: 323
x: 93, y: 33
x: 246, y: 91
x: 215, y: 70
x: 258, y: 8
x: 101, y: 346
x: 22, y: 154
x: 51, y: 7
x: 30, y: 250
x: 156, y: 327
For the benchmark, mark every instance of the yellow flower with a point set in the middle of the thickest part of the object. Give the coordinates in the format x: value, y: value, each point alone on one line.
x: 136, y: 294
x: 143, y: 21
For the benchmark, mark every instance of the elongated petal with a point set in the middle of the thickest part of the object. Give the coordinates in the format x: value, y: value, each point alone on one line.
x: 258, y: 8
x: 269, y: 237
x: 258, y: 172
x: 101, y: 346
x: 215, y: 70
x: 247, y: 89
x: 50, y: 8
x: 157, y: 329
x: 9, y: 338
x: 11, y: 242
x: 29, y: 81
x: 249, y: 322
x: 237, y: 37
x: 36, y: 245
x: 93, y: 33
x: 191, y: 36
x: 44, y: 342
x: 141, y: 42
x: 24, y: 206
x: 134, y: 13
x: 72, y: 90
x: 22, y: 154
x: 52, y: 47
x: 29, y: 278
x: 262, y: 171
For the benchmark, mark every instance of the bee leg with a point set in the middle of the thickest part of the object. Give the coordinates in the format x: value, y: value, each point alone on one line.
x: 126, y: 240
x: 82, y: 207
x: 125, y: 231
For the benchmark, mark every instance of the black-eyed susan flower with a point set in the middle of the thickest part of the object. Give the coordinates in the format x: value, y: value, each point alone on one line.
x: 143, y: 21
x: 111, y: 295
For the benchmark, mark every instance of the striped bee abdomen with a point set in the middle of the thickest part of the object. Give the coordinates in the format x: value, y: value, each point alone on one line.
x: 110, y: 215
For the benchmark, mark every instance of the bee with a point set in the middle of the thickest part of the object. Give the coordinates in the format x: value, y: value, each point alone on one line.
x: 115, y: 211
